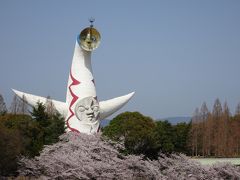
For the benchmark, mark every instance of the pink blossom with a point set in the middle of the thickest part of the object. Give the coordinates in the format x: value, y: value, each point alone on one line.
x: 80, y: 156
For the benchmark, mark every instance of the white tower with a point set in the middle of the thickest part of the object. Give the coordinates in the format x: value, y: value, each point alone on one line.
x: 82, y: 110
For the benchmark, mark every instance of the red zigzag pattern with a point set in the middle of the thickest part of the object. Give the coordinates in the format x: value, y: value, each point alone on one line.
x: 74, y: 99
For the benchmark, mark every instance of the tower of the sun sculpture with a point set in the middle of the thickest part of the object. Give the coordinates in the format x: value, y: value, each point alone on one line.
x: 82, y: 109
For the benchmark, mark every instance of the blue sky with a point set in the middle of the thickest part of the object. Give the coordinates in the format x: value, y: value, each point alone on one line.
x: 174, y: 54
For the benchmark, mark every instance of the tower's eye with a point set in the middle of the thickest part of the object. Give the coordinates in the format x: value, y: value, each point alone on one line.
x: 89, y: 39
x: 81, y: 108
x: 95, y: 108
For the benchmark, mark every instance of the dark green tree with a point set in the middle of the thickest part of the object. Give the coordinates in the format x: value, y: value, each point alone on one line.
x: 10, y: 148
x: 19, y: 135
x: 40, y: 116
x: 135, y: 131
x: 26, y: 135
x: 164, y: 136
x: 29, y: 132
x: 55, y: 128
x: 181, y: 131
x: 52, y: 125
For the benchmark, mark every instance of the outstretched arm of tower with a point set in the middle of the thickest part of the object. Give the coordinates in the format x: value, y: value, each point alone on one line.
x: 109, y: 107
x: 32, y: 100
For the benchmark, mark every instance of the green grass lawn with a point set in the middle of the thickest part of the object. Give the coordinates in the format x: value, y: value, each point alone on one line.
x: 210, y: 161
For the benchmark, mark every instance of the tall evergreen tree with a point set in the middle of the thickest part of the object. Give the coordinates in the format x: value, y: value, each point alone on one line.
x: 40, y: 115
x: 52, y: 125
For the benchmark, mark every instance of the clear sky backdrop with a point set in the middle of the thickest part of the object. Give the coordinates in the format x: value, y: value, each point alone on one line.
x: 174, y: 54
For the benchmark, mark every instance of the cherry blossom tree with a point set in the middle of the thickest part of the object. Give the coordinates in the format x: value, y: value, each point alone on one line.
x: 80, y: 156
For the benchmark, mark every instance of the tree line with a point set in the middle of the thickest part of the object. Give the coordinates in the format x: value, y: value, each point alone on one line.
x: 215, y: 133
x: 208, y: 134
x: 139, y: 134
x: 20, y: 106
x: 24, y: 132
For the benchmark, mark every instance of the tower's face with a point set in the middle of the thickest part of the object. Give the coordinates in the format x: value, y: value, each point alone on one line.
x: 89, y: 39
x: 87, y: 110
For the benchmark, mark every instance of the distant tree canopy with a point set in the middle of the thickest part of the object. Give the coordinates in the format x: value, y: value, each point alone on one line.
x: 26, y: 135
x: 164, y: 136
x: 181, y: 137
x: 134, y: 130
x: 142, y: 135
